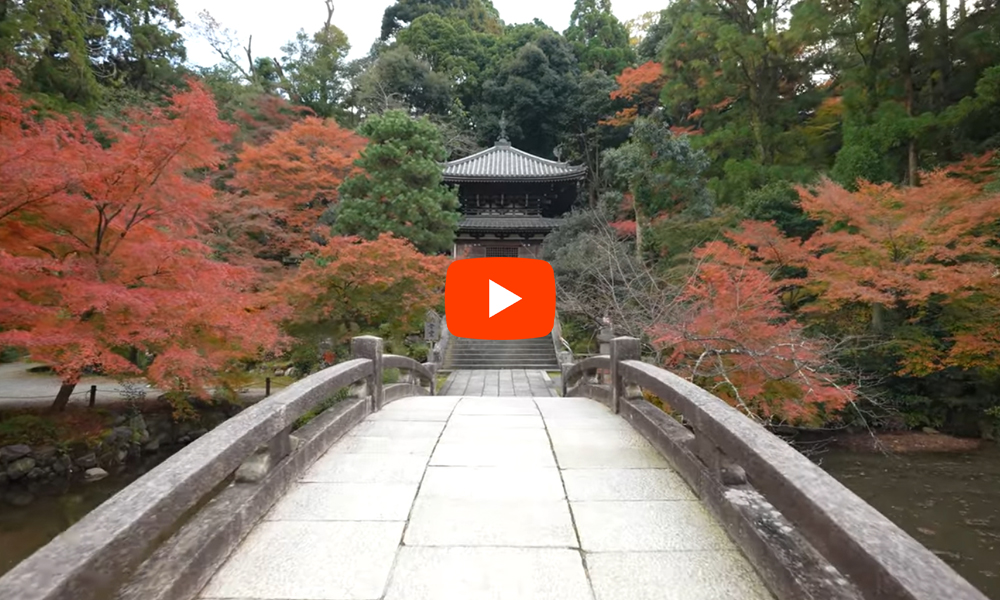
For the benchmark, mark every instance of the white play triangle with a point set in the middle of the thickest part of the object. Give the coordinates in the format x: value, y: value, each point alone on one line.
x: 501, y: 298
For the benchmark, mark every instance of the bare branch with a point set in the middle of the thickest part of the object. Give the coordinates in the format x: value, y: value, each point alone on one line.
x: 329, y: 13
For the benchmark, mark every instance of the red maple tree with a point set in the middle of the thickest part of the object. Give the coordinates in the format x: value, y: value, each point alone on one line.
x: 734, y: 338
x: 354, y: 284
x: 111, y: 263
x: 640, y: 88
x: 890, y: 248
x: 881, y: 248
x: 287, y: 183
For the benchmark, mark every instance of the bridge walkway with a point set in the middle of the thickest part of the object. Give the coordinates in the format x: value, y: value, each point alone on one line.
x: 517, y: 383
x: 471, y: 498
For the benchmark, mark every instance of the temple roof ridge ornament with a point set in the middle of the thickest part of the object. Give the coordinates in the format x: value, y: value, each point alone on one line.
x: 502, y: 140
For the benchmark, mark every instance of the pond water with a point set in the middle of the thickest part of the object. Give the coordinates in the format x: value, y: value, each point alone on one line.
x: 26, y: 528
x: 950, y: 503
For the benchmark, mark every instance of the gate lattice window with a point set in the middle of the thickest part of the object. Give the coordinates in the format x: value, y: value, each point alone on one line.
x: 501, y: 252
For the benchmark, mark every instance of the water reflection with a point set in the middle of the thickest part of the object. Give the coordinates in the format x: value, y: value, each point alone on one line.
x: 950, y: 503
x: 29, y: 521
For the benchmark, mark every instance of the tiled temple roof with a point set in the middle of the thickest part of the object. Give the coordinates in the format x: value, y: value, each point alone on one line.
x: 507, y: 223
x: 503, y: 162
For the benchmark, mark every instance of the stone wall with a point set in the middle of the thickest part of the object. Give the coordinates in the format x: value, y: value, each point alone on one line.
x: 130, y: 438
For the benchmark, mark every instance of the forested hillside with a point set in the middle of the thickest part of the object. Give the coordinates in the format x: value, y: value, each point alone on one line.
x: 793, y: 203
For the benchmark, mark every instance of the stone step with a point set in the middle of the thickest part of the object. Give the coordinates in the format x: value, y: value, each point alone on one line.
x: 505, y: 353
x: 469, y: 354
x: 498, y: 359
x: 465, y: 345
x: 502, y: 360
x: 541, y: 340
x: 549, y: 349
x: 500, y: 368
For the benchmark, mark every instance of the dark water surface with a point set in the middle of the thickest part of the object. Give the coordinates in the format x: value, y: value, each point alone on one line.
x: 25, y: 529
x: 950, y: 503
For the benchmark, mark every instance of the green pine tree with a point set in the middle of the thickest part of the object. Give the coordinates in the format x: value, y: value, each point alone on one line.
x: 399, y: 190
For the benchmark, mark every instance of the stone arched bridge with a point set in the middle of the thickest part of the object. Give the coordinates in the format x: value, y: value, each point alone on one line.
x: 502, y: 491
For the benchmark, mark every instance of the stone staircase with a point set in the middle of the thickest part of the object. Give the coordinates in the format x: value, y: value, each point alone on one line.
x: 465, y: 354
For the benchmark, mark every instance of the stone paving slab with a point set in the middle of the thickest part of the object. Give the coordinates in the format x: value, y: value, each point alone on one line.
x: 422, y: 403
x: 496, y: 406
x: 485, y: 454
x: 582, y: 456
x: 345, y: 502
x: 497, y: 421
x: 643, y: 526
x: 488, y: 574
x: 367, y: 468
x: 625, y: 484
x: 595, y: 422
x: 397, y: 429
x: 283, y: 560
x: 527, y: 383
x: 611, y: 438
x: 351, y: 444
x: 493, y: 483
x: 521, y: 523
x: 571, y: 407
x: 413, y: 415
x: 674, y: 576
x: 441, y: 498
x: 505, y: 435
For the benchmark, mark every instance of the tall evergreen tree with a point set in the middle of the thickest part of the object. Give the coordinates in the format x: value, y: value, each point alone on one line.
x: 399, y: 190
x: 481, y: 15
x: 313, y: 67
x: 536, y: 86
x: 661, y: 172
x: 600, y: 40
x: 74, y: 52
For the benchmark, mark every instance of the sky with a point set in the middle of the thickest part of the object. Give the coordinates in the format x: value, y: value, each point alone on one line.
x: 274, y: 23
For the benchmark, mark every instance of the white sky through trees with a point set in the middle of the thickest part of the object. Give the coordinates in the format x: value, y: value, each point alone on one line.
x: 275, y: 22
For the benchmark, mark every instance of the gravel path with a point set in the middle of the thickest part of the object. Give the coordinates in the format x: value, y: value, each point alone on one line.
x: 19, y: 388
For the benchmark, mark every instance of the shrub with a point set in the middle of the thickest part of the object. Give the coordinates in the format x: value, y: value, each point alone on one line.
x: 28, y: 429
x: 9, y: 354
x: 320, y: 408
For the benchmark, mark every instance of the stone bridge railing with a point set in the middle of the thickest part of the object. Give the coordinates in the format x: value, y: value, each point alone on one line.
x: 807, y: 535
x: 163, y: 536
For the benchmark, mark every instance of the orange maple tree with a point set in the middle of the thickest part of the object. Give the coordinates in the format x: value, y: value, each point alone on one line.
x: 357, y: 284
x: 288, y: 182
x: 110, y: 260
x: 734, y: 338
x: 882, y: 248
x: 640, y: 87
x: 890, y: 248
x: 33, y: 166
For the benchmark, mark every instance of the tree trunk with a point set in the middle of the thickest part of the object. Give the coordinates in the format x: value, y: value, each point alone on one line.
x: 62, y: 398
x: 595, y: 174
x: 902, y: 27
x: 878, y: 317
x: 638, y: 230
x: 757, y: 125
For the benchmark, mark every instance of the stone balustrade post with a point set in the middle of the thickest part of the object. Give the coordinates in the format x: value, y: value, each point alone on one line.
x: 433, y: 368
x: 622, y: 348
x: 370, y: 347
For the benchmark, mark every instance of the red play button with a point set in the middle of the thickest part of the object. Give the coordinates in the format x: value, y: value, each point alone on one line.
x: 500, y: 298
